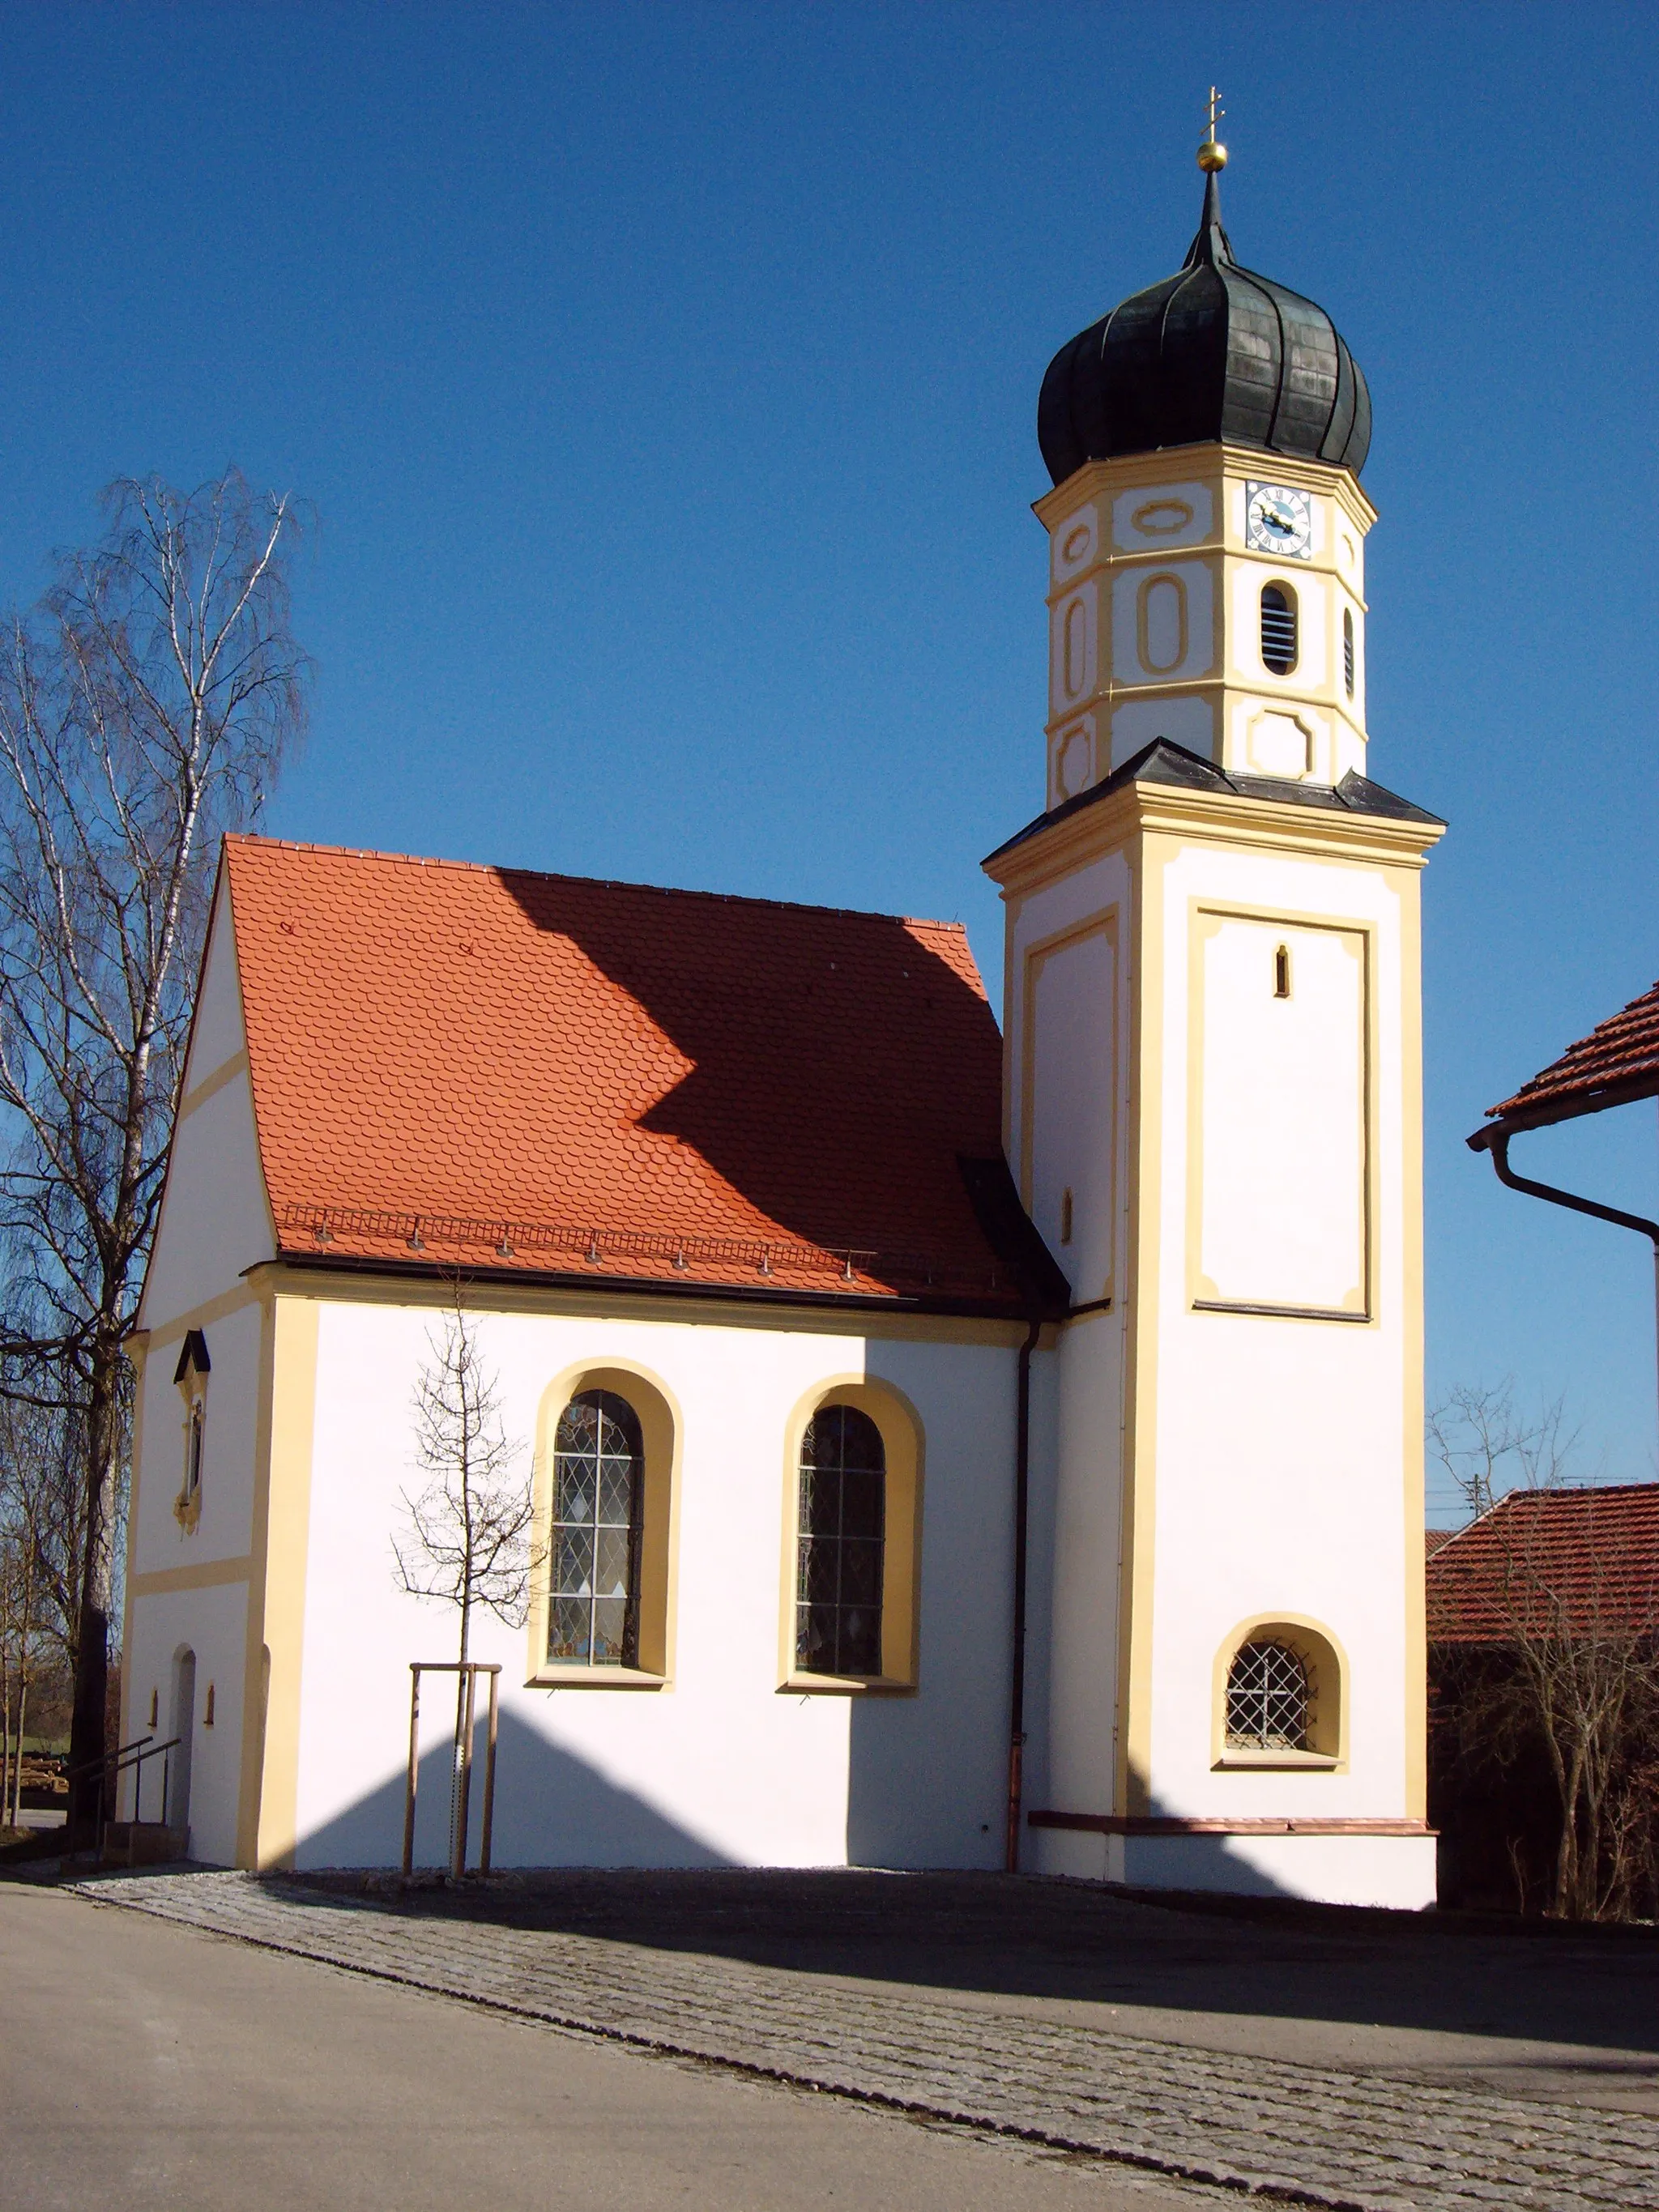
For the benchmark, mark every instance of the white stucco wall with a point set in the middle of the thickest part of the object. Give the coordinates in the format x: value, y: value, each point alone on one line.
x: 1282, y: 1444
x: 1280, y: 1451
x: 212, y: 1623
x: 188, y: 1589
x: 720, y: 1766
x: 1069, y: 992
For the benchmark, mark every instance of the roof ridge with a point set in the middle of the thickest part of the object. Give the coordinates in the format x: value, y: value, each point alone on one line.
x: 602, y: 883
x: 1572, y: 1490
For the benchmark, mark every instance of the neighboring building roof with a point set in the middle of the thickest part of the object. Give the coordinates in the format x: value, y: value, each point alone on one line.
x: 1575, y: 1559
x: 1165, y: 763
x: 1434, y: 1538
x: 536, y: 1073
x: 1214, y: 352
x: 1618, y: 1062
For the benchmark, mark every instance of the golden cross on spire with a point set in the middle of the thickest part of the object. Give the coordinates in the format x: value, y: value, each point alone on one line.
x: 1212, y: 155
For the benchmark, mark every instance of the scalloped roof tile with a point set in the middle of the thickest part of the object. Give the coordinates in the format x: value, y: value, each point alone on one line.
x: 1554, y: 1559
x: 545, y: 1071
x: 1618, y: 1060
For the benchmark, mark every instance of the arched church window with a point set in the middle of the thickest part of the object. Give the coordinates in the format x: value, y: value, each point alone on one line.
x: 843, y: 1528
x: 1278, y: 628
x: 1267, y: 1699
x: 598, y: 1482
x: 1347, y: 649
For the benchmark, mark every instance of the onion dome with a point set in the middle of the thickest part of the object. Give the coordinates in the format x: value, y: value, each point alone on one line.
x: 1214, y: 352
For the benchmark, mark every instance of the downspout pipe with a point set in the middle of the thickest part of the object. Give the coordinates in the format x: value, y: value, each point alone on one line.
x: 1497, y: 1142
x: 1016, y: 1667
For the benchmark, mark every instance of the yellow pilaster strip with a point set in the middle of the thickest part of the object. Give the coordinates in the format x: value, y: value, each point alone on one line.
x: 1145, y: 1144
x: 1409, y: 889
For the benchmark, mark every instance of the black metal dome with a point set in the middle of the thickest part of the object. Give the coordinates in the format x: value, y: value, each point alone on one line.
x: 1214, y: 352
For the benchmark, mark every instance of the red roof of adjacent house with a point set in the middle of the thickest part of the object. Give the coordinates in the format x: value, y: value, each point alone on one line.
x: 502, y: 1070
x: 1550, y: 1560
x: 1618, y: 1060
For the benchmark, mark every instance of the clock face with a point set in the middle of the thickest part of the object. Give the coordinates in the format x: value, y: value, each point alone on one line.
x: 1279, y: 520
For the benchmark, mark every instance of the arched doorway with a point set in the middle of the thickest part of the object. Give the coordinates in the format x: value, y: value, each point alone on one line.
x: 183, y: 1727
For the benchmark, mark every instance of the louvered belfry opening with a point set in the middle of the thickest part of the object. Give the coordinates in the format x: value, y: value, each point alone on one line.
x: 1347, y: 650
x: 1278, y: 628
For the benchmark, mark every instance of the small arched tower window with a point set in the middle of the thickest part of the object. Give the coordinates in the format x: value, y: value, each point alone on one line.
x: 1278, y: 628
x: 843, y: 1528
x: 598, y: 1486
x: 1267, y: 1699
x: 1347, y: 649
x: 1282, y: 972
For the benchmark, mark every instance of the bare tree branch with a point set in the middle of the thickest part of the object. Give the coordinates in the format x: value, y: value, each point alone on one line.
x: 146, y: 706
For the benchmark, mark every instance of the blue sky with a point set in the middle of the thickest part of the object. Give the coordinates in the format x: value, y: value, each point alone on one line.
x: 664, y: 380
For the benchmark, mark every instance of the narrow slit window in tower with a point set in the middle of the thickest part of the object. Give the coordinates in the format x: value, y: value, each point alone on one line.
x: 1278, y: 628
x: 1347, y: 649
x: 1065, y: 1216
x: 1282, y: 972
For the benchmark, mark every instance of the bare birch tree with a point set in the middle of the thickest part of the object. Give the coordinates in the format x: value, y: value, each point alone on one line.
x: 467, y: 1535
x: 145, y: 707
x: 1564, y: 1651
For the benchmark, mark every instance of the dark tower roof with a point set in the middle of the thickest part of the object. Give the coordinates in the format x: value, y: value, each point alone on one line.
x: 1214, y: 352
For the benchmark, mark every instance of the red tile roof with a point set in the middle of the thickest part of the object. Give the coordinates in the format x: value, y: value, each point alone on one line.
x: 503, y: 1070
x: 1574, y: 1559
x: 1618, y: 1060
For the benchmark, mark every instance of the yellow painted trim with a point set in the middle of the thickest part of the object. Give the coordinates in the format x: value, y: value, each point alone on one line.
x: 1195, y: 465
x: 1243, y: 824
x: 281, y: 1521
x: 206, y: 1574
x: 1131, y: 1783
x: 1178, y: 507
x: 613, y: 1302
x: 662, y: 1430
x: 1204, y: 918
x: 226, y: 1072
x: 1329, y: 1693
x: 246, y: 1293
x: 1143, y: 623
x: 904, y: 1444
x: 1104, y: 922
x: 1410, y: 1441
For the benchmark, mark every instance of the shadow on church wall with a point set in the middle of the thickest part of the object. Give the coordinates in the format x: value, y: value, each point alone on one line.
x: 551, y: 1809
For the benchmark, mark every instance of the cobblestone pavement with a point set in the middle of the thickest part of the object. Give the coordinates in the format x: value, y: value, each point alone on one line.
x: 1320, y: 2136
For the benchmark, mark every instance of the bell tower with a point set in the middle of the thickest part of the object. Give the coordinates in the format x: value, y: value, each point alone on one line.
x: 1213, y: 1034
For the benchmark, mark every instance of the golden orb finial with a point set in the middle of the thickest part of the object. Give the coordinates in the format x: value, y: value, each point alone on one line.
x: 1212, y: 155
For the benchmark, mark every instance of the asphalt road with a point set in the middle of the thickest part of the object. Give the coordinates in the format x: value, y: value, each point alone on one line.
x: 145, y: 2064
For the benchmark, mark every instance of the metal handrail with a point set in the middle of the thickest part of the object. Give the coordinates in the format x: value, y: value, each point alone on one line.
x: 88, y: 1765
x: 127, y: 1757
x: 160, y: 1751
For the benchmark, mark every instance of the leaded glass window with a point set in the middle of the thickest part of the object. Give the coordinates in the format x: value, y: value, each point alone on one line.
x: 843, y: 1526
x: 599, y: 1487
x: 1268, y: 1699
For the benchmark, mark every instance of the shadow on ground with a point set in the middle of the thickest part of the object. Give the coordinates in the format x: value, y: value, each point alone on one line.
x: 1442, y: 1974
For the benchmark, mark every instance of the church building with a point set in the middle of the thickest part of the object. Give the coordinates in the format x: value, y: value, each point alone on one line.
x: 946, y: 1445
